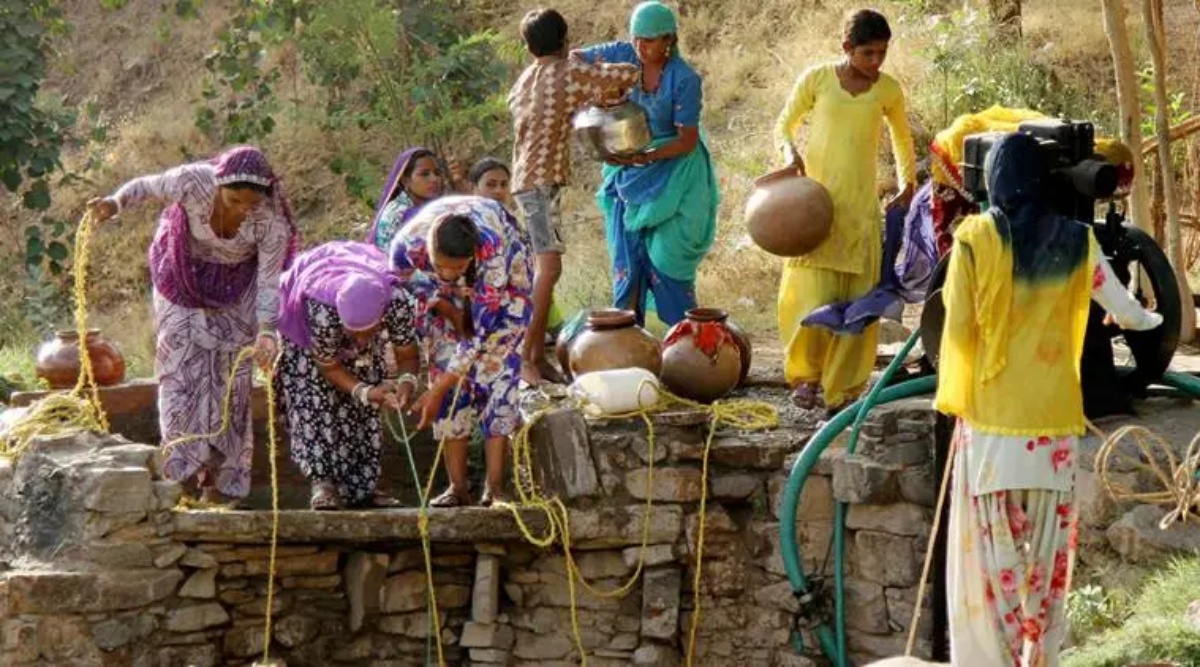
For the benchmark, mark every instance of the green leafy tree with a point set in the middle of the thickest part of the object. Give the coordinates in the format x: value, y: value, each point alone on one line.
x: 32, y: 135
x: 415, y: 70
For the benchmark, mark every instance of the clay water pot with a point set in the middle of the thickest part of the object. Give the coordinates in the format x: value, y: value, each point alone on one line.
x: 611, y: 339
x: 566, y: 336
x: 788, y: 214
x: 58, y: 360
x: 701, y: 357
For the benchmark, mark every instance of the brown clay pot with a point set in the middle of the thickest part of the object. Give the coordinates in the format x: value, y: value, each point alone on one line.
x: 611, y: 339
x: 570, y: 330
x: 58, y: 360
x: 788, y: 214
x: 701, y: 357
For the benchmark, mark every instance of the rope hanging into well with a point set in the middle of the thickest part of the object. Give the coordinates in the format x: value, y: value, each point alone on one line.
x: 738, y: 414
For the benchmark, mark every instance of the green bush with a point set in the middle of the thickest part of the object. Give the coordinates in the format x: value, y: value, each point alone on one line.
x: 1155, y: 630
x: 970, y: 72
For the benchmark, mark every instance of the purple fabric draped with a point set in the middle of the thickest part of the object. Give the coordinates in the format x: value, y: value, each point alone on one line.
x: 392, y: 185
x: 909, y: 256
x: 190, y: 282
x: 918, y: 250
x: 319, y: 274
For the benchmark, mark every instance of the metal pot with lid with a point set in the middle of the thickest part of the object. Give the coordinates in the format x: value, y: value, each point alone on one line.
x: 614, y: 130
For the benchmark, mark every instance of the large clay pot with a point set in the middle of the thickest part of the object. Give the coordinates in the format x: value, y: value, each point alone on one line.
x: 788, y: 214
x: 701, y: 358
x: 58, y: 360
x: 611, y: 339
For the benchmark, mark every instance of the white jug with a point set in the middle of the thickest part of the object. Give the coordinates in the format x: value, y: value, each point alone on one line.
x: 617, y: 391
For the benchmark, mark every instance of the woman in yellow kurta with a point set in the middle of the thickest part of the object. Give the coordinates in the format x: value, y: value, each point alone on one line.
x: 846, y: 103
x: 1018, y: 289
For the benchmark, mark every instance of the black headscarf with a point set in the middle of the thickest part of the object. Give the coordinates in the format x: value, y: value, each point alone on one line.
x: 1045, y: 245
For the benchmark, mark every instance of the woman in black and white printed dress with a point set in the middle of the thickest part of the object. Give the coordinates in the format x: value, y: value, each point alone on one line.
x: 350, y: 350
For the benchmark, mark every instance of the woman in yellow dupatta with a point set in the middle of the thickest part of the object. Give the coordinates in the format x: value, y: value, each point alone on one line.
x: 1019, y: 286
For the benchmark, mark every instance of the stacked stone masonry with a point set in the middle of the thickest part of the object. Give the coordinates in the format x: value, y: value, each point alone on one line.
x: 102, y: 570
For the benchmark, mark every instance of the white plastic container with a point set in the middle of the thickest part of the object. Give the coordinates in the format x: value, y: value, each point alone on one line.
x: 617, y: 391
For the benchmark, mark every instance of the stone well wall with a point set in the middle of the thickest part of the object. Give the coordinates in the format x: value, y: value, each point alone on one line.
x: 102, y: 571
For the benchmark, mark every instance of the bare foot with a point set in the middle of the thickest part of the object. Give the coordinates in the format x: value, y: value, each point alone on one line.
x: 530, y: 374
x: 548, y: 372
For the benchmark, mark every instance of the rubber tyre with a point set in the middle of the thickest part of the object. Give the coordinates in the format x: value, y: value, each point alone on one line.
x: 1152, y: 350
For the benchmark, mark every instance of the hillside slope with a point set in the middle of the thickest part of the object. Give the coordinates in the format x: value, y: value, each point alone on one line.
x: 142, y: 68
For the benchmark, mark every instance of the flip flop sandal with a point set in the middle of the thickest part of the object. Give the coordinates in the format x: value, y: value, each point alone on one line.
x: 324, y: 497
x: 451, y: 498
x: 210, y: 496
x: 549, y: 373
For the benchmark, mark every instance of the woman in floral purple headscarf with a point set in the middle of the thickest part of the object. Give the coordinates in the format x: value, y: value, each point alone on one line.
x: 222, y: 241
x: 416, y: 179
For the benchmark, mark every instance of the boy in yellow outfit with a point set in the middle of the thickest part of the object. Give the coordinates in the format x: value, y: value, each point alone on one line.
x: 845, y: 103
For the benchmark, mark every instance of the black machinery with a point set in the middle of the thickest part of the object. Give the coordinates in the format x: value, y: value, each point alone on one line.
x: 1081, y: 179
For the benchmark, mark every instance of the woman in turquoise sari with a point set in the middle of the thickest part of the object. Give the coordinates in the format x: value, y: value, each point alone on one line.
x: 660, y: 207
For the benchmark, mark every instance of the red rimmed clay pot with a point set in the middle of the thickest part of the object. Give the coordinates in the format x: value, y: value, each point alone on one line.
x: 702, y: 359
x: 611, y: 339
x: 58, y: 360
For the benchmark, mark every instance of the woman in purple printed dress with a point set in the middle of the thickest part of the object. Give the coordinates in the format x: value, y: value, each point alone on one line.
x: 467, y: 247
x: 222, y: 241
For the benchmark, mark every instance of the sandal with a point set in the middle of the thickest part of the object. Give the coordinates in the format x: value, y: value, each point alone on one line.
x: 804, y: 396
x: 490, y: 498
x: 549, y: 373
x: 324, y: 497
x: 452, y: 498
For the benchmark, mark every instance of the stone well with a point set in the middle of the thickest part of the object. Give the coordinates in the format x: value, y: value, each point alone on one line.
x: 101, y: 569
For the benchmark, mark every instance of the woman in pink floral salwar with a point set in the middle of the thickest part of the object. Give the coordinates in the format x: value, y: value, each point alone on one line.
x: 1019, y: 287
x: 221, y: 243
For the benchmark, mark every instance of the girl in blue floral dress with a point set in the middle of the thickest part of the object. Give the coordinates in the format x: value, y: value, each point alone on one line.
x: 467, y: 248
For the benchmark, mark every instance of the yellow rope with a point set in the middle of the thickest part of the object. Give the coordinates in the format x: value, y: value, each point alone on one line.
x: 78, y: 409
x: 1180, y: 488
x: 423, y: 527
x: 738, y: 414
x: 691, y: 645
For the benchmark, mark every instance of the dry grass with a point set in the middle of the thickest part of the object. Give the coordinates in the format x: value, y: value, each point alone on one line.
x: 143, y: 67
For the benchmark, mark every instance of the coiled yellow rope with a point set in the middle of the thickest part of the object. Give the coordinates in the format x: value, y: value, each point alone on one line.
x: 78, y: 409
x: 1180, y: 487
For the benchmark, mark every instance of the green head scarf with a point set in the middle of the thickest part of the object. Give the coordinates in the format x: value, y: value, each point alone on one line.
x: 653, y: 19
